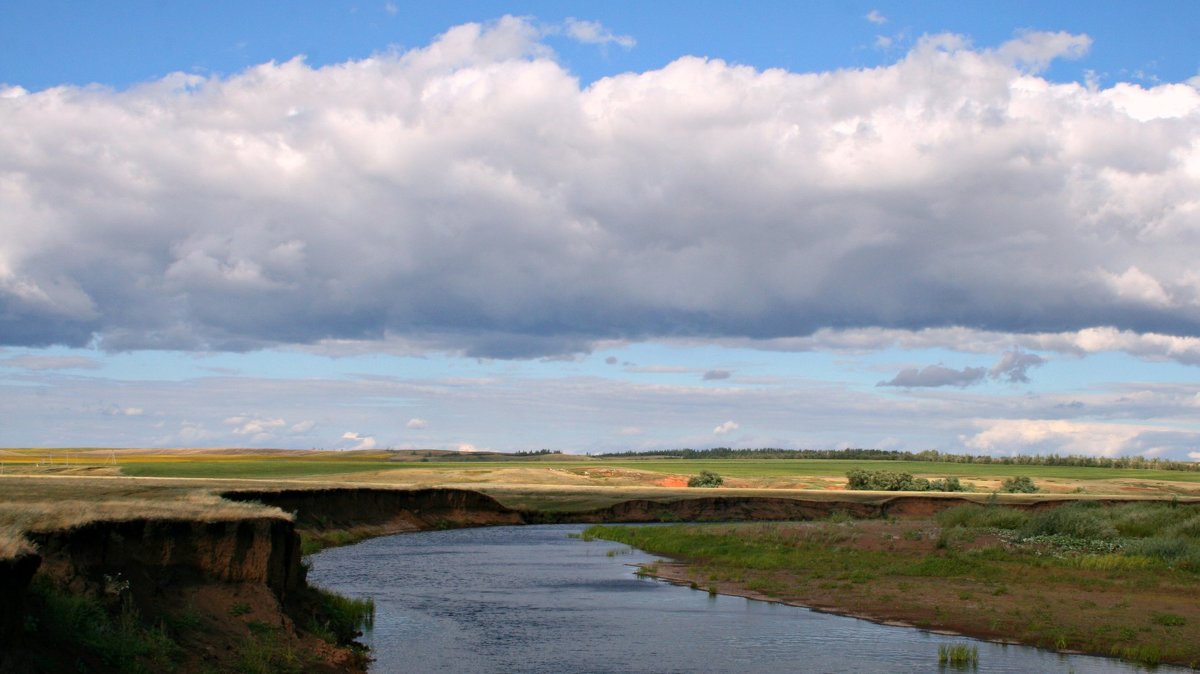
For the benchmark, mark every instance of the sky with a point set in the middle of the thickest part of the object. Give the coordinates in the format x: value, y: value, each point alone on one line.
x: 598, y: 227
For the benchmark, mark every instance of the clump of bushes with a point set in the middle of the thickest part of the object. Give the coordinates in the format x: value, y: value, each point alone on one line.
x: 706, y: 478
x: 1019, y: 485
x: 886, y: 480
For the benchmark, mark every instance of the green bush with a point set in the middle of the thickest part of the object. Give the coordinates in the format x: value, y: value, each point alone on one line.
x: 706, y: 478
x: 1019, y: 485
x: 886, y: 480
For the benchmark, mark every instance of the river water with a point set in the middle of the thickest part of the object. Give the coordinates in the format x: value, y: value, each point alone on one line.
x: 534, y: 599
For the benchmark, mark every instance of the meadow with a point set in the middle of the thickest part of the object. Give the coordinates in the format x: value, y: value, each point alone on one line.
x: 1107, y: 579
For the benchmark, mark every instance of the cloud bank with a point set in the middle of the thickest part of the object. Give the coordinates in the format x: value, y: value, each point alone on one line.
x: 470, y: 197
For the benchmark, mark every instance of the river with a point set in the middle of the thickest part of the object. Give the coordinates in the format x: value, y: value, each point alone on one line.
x: 534, y: 599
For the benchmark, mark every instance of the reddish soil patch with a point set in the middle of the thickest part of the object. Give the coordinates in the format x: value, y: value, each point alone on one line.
x: 672, y: 482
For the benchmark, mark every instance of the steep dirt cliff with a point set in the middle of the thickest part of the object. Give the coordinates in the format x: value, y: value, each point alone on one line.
x: 152, y: 556
x: 365, y: 512
x: 171, y: 594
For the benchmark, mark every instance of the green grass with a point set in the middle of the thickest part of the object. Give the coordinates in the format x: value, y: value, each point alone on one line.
x: 251, y: 468
x: 958, y: 655
x: 1055, y: 571
x: 80, y: 624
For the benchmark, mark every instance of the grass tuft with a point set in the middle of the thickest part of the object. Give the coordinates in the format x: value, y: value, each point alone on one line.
x: 958, y: 655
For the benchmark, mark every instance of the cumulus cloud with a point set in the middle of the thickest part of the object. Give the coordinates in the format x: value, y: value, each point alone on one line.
x: 717, y: 374
x: 358, y: 441
x: 416, y: 424
x: 876, y: 17
x: 726, y: 427
x: 936, y: 375
x: 470, y: 197
x: 1058, y: 436
x: 255, y: 427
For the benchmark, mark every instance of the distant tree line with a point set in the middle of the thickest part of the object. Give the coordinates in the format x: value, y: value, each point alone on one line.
x: 537, y: 452
x: 1138, y: 462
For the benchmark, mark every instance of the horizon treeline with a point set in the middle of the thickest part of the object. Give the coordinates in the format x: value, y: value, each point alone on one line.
x: 930, y: 455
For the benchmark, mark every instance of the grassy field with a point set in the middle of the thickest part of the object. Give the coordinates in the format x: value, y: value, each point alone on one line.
x: 1112, y: 580
x: 428, y: 468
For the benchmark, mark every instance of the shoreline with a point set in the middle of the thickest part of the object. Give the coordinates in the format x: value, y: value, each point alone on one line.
x: 675, y: 572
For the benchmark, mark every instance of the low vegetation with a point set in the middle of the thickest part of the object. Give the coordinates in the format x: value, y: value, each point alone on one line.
x: 706, y: 478
x: 1019, y: 485
x: 884, y: 480
x: 1107, y: 579
x: 958, y: 655
x: 93, y: 637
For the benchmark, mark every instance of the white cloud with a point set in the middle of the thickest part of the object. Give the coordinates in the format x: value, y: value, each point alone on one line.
x: 358, y: 441
x: 593, y: 32
x: 481, y: 194
x: 726, y: 427
x: 1035, y: 49
x: 303, y: 427
x: 391, y: 8
x: 256, y: 427
x: 631, y: 430
x: 1139, y: 287
x: 416, y: 424
x: 1046, y: 436
x: 876, y: 17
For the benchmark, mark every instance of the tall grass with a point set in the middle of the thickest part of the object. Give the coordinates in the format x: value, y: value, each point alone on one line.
x: 80, y: 623
x: 338, y: 619
x: 958, y: 655
x: 1164, y: 533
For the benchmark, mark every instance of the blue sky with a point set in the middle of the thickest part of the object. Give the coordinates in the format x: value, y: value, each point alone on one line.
x: 601, y: 226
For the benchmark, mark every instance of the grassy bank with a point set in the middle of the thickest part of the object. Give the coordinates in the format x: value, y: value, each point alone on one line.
x: 1111, y: 580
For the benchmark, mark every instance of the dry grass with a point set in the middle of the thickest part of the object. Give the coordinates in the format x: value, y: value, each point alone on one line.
x: 12, y: 542
x: 45, y: 504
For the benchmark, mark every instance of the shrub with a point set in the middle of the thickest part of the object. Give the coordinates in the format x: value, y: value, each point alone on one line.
x: 1019, y: 485
x: 886, y: 480
x: 706, y: 478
